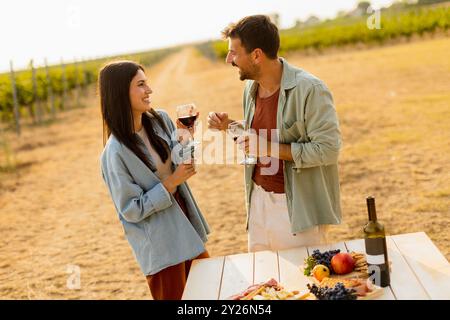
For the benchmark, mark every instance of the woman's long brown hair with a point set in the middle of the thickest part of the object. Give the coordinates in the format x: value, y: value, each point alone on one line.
x: 114, y: 89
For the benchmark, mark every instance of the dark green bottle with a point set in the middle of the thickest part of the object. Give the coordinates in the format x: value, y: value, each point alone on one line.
x: 376, y: 249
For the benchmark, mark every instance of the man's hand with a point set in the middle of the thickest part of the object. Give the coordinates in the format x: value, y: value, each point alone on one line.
x: 218, y: 120
x: 258, y: 146
x: 254, y: 145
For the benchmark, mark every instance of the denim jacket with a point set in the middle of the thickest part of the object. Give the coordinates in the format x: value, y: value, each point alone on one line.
x: 158, y: 231
x: 307, y: 120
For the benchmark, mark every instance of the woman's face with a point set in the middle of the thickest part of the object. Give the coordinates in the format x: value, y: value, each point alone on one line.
x: 140, y: 93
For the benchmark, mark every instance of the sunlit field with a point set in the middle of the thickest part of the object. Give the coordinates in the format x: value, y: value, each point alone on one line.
x: 393, y: 106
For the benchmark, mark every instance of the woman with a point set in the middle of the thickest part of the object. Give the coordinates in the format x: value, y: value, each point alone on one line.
x: 160, y: 217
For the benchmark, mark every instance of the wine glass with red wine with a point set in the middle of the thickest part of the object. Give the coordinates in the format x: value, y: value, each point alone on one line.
x: 187, y: 114
x: 237, y: 129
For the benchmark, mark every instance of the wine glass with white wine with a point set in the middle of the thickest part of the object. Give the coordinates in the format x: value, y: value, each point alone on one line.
x: 238, y: 129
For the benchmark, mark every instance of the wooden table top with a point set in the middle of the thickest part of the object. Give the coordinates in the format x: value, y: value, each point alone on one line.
x: 418, y: 270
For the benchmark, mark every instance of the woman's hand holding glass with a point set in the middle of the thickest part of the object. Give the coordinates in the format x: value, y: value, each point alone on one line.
x: 183, y: 172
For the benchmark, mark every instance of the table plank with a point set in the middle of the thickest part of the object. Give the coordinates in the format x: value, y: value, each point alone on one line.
x: 429, y: 265
x: 237, y: 274
x: 266, y: 266
x: 291, y: 276
x: 404, y: 283
x: 359, y: 246
x: 204, y: 279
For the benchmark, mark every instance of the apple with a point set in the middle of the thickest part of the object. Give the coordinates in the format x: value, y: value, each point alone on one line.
x: 342, y: 263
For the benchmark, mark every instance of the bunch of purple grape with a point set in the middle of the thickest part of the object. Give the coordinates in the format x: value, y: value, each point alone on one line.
x: 325, y: 257
x: 338, y: 292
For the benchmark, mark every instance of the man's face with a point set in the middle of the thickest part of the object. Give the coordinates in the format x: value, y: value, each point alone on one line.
x: 238, y: 57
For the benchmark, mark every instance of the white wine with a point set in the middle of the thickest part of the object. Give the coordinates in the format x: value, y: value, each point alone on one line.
x: 376, y: 249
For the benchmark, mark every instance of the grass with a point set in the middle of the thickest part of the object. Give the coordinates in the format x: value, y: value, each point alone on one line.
x: 440, y: 193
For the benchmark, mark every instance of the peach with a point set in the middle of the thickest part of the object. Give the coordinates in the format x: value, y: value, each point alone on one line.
x: 342, y: 263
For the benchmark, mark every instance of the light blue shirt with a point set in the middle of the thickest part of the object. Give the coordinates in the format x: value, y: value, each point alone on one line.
x: 158, y: 231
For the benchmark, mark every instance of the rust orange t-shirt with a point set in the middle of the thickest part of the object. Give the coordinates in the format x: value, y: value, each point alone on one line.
x: 266, y: 118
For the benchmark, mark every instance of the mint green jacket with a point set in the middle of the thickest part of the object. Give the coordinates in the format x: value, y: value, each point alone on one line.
x: 307, y: 120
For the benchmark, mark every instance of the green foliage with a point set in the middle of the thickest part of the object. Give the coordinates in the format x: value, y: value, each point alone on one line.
x: 220, y: 48
x: 80, y: 74
x: 310, y: 263
x: 350, y: 30
x: 207, y: 49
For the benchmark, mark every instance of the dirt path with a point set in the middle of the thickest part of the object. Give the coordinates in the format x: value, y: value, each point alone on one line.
x: 393, y: 107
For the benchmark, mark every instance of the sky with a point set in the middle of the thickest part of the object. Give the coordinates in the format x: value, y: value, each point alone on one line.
x: 84, y: 29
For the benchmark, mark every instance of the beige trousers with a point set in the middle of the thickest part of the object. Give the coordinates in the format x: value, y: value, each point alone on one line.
x: 269, y: 227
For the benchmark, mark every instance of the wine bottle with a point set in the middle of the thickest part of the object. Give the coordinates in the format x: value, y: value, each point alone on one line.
x: 376, y: 249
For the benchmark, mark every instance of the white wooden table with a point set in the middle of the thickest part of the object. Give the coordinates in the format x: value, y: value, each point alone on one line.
x: 418, y: 270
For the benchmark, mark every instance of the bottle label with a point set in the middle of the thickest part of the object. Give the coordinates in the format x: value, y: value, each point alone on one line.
x: 375, y: 250
x: 378, y: 259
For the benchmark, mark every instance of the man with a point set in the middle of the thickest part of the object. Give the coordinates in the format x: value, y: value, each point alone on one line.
x: 292, y: 205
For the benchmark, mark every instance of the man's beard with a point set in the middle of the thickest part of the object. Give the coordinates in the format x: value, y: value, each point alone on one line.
x: 243, y: 76
x: 247, y: 75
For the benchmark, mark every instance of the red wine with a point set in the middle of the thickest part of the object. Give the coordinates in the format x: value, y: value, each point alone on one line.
x: 188, y: 121
x: 376, y: 249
